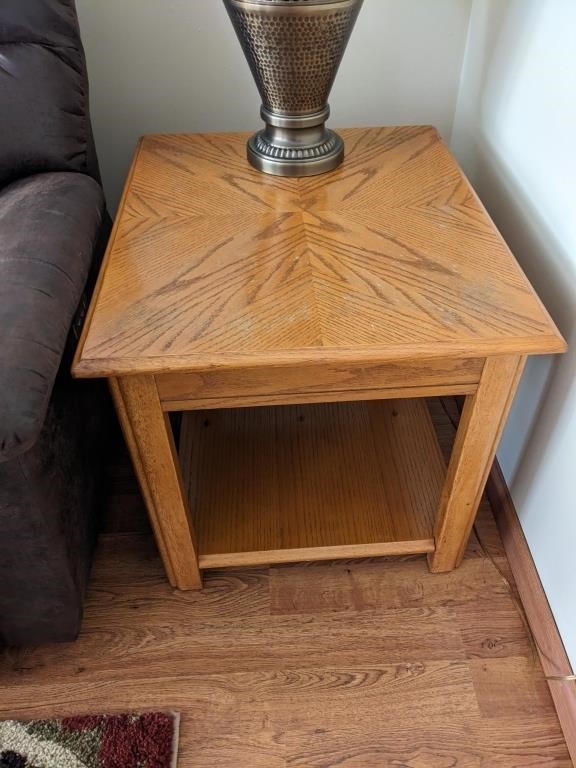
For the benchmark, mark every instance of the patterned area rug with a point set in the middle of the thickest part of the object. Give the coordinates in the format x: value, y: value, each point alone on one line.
x: 148, y: 740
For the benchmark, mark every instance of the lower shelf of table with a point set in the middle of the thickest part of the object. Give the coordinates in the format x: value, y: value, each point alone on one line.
x: 312, y: 482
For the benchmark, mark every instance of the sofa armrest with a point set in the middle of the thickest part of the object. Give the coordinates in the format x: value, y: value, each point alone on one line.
x: 49, y: 228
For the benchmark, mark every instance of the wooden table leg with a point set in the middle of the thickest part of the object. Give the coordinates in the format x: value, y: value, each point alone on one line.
x: 149, y: 437
x: 481, y: 424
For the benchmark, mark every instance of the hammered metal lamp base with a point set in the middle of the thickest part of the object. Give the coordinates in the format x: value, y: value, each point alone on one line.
x: 294, y: 48
x: 295, y: 161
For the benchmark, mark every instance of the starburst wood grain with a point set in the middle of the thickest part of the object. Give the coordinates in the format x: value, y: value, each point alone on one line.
x: 389, y: 257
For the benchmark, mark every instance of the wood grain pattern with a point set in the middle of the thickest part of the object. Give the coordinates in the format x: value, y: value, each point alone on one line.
x: 483, y: 420
x: 551, y: 651
x: 385, y: 278
x: 320, y: 382
x: 389, y: 257
x: 360, y: 664
x: 334, y: 396
x: 503, y: 690
x: 312, y: 482
x: 149, y: 437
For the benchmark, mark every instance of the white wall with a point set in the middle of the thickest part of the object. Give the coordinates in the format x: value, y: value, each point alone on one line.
x: 514, y: 133
x: 175, y: 65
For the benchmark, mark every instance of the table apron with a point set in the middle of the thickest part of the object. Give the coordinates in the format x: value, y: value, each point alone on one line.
x: 317, y: 382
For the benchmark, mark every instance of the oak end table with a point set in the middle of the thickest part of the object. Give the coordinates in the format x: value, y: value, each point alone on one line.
x: 299, y: 325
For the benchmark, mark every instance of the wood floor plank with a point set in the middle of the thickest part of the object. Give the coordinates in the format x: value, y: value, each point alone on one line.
x: 439, y: 688
x: 509, y: 687
x: 239, y: 643
x: 379, y: 585
x: 494, y: 631
x: 528, y: 742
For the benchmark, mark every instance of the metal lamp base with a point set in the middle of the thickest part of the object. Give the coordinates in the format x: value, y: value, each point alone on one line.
x: 295, y: 161
x: 294, y: 48
x: 295, y: 145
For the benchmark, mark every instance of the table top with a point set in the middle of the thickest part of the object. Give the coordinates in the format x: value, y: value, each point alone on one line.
x: 389, y: 257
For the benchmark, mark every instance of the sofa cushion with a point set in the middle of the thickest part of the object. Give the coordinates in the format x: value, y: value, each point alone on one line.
x: 49, y: 225
x: 44, y: 114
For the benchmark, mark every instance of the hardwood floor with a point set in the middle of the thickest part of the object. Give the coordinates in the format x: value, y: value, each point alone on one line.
x: 355, y: 664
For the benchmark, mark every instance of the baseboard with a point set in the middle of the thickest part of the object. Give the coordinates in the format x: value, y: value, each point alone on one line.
x: 548, y: 642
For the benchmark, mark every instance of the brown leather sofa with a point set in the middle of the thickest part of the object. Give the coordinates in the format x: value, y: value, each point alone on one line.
x: 53, y: 228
